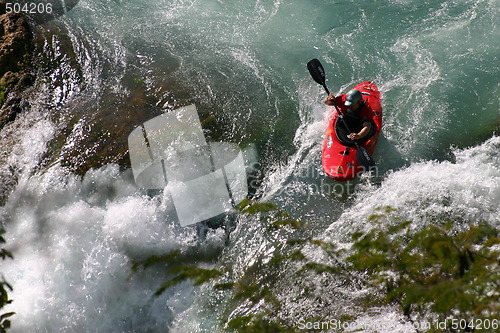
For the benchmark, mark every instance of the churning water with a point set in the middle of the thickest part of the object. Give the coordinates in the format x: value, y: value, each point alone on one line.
x: 107, y: 66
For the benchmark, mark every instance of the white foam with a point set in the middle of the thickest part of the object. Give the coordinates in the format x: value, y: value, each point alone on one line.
x: 465, y: 191
x: 73, y: 241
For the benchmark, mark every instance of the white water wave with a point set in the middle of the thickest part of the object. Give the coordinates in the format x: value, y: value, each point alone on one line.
x: 465, y: 191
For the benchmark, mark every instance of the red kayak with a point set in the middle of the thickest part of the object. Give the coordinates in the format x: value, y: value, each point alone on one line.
x: 339, y: 153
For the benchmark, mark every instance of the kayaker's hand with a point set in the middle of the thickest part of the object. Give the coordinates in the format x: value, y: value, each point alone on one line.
x: 354, y: 136
x: 329, y: 99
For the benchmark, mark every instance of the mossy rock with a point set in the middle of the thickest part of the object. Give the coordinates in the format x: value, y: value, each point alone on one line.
x: 16, y: 53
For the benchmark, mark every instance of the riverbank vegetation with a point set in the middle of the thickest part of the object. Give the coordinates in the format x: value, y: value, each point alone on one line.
x: 5, y: 287
x: 439, y: 274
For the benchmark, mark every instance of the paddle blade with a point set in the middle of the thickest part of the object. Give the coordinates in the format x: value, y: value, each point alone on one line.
x: 364, y: 159
x: 317, y: 71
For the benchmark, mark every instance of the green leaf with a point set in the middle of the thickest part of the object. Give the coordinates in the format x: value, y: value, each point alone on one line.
x: 263, y: 207
x: 197, y: 274
x: 7, y: 315
x: 169, y: 258
x: 224, y: 286
x: 492, y: 242
x: 295, y: 224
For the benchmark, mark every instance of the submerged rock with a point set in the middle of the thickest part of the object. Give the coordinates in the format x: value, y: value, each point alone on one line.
x: 16, y: 48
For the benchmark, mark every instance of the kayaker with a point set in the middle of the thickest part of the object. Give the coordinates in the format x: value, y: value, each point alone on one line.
x: 352, y: 107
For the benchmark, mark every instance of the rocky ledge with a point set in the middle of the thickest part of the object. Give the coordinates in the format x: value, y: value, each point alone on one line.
x: 16, y: 50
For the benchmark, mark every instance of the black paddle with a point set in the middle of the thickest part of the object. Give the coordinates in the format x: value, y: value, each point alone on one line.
x: 318, y: 74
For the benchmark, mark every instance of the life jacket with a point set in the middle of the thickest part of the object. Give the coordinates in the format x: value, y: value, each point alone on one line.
x: 354, y: 120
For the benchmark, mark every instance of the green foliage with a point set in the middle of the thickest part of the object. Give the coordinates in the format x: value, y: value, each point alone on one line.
x: 434, y: 270
x: 197, y: 274
x: 247, y: 207
x: 254, y: 287
x: 433, y: 273
x: 277, y: 219
x: 7, y: 83
x: 179, y: 269
x: 4, y: 287
x: 3, y: 93
x: 250, y: 292
x: 169, y: 258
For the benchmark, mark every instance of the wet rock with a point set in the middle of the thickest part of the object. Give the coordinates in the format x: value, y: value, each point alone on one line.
x: 16, y: 48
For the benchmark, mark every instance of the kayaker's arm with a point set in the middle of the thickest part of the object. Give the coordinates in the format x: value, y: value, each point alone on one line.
x: 364, y: 131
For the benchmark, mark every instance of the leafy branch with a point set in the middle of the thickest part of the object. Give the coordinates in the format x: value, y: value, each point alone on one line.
x: 435, y: 271
x: 4, y: 288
